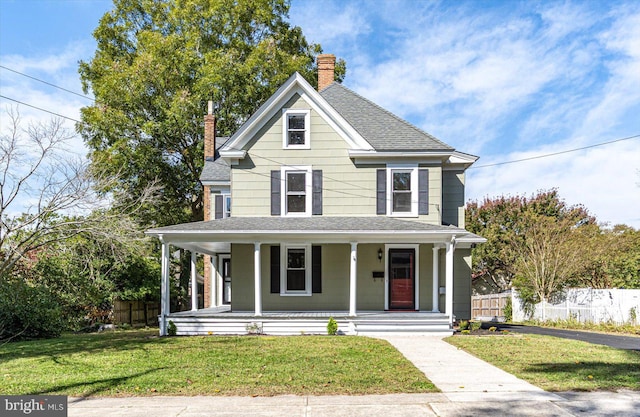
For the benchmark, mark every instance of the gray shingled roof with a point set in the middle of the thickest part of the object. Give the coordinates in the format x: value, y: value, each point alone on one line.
x: 382, y: 129
x: 320, y: 223
x: 217, y: 169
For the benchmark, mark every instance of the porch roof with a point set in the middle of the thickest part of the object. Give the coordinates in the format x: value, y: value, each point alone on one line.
x: 206, y: 236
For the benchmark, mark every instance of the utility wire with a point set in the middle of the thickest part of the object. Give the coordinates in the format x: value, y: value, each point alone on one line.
x: 555, y: 153
x: 47, y: 83
x: 41, y: 109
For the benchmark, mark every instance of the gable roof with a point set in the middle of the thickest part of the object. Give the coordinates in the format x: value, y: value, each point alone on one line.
x: 382, y: 129
x: 296, y: 84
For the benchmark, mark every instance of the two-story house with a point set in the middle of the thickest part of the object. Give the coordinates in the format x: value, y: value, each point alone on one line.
x: 325, y: 204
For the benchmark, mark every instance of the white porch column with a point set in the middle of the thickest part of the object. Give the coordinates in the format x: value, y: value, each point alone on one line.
x: 213, y: 279
x: 164, y: 289
x: 352, y: 279
x: 194, y: 282
x: 450, y: 247
x: 436, y: 279
x: 257, y: 280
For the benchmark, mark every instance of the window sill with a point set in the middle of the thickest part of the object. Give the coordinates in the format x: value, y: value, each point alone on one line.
x: 414, y: 215
x: 295, y: 294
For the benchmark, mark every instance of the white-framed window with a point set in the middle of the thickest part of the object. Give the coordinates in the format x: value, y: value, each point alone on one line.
x: 296, y: 269
x: 226, y: 212
x: 295, y: 127
x: 402, y: 191
x: 296, y: 190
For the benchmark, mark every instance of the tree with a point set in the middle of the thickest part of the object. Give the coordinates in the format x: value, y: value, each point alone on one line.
x: 156, y: 65
x: 505, y: 222
x: 46, y: 195
x: 547, y: 253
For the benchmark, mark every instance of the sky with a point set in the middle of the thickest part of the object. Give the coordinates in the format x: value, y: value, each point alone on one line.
x: 502, y: 80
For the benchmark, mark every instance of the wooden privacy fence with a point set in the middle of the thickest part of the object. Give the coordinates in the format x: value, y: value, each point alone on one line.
x: 141, y: 313
x: 489, y: 306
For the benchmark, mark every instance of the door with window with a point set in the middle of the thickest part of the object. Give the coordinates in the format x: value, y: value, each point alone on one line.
x: 402, y: 279
x: 226, y: 280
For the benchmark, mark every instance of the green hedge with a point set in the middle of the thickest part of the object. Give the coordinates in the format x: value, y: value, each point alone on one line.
x: 28, y: 312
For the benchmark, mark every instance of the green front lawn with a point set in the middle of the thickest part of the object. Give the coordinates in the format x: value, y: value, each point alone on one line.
x: 140, y: 363
x: 556, y: 364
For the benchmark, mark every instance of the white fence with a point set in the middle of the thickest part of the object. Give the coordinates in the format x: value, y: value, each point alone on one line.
x: 584, y: 305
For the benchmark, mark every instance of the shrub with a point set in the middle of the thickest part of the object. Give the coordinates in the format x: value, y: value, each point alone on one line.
x: 28, y: 312
x: 507, y: 310
x: 332, y: 326
x: 464, y: 325
x: 466, y: 331
x: 475, y: 325
x: 493, y: 328
x: 172, y: 329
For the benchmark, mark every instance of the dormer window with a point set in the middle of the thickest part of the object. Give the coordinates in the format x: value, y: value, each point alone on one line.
x: 296, y: 124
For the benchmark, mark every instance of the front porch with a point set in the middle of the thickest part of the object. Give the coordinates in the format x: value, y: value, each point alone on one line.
x: 221, y: 320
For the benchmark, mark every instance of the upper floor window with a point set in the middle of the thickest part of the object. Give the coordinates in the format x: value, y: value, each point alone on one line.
x: 221, y: 204
x: 402, y: 190
x: 296, y: 124
x: 296, y: 191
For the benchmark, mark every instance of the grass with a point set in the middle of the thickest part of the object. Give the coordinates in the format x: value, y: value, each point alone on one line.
x: 626, y: 329
x: 137, y: 363
x: 556, y: 364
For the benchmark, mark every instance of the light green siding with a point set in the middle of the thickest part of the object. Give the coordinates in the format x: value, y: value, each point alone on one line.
x: 453, y: 197
x: 370, y: 291
x: 462, y: 284
x: 348, y: 189
x: 426, y: 277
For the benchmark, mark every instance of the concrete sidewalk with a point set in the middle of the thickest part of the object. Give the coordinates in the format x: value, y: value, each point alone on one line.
x: 470, y: 387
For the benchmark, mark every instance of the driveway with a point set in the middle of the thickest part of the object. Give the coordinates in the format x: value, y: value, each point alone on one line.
x: 614, y: 341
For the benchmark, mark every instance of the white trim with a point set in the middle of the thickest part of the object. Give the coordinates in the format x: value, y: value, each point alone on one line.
x: 194, y: 282
x: 296, y: 84
x: 416, y: 267
x: 353, y: 279
x: 413, y: 169
x: 285, y: 128
x: 284, y: 247
x: 220, y: 279
x: 435, y: 277
x: 449, y: 248
x: 213, y: 280
x: 308, y: 170
x: 257, y: 280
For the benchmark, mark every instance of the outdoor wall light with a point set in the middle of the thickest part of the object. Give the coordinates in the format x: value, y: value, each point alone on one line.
x: 380, y: 254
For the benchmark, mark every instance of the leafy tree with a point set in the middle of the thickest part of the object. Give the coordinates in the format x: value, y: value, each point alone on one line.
x: 156, y: 65
x: 505, y: 222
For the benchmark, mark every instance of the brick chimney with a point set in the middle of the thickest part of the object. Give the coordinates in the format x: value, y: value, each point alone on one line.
x: 326, y: 67
x: 209, y: 134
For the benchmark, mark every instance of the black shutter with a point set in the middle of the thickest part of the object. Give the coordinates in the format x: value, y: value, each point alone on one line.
x: 275, y: 193
x: 381, y: 191
x: 275, y: 269
x: 316, y: 269
x: 316, y: 181
x: 423, y: 191
x: 219, y: 204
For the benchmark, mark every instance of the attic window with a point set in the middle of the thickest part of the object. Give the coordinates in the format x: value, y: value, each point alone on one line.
x: 296, y: 129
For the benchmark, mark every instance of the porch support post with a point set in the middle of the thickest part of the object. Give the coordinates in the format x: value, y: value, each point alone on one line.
x: 450, y: 247
x: 164, y: 289
x: 194, y: 282
x: 213, y: 279
x: 257, y: 280
x: 436, y: 279
x: 352, y: 279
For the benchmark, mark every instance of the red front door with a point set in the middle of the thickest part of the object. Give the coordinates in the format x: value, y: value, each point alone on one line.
x: 402, y: 279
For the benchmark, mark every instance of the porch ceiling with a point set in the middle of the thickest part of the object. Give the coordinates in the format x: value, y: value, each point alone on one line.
x: 207, y: 236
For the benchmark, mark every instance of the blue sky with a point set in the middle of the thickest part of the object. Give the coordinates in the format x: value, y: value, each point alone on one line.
x: 502, y: 80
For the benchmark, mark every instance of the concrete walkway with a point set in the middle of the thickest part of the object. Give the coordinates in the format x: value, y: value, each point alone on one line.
x: 470, y: 387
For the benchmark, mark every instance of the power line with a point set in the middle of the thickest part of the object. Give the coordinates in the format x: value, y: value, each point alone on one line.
x: 40, y: 108
x: 555, y: 153
x: 47, y: 83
